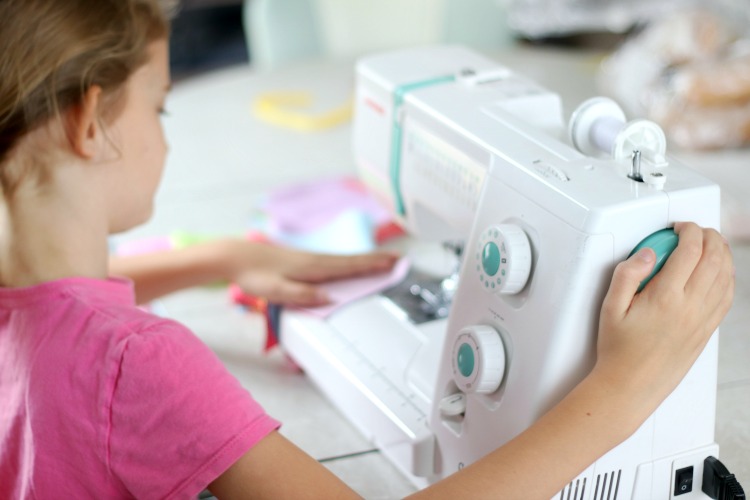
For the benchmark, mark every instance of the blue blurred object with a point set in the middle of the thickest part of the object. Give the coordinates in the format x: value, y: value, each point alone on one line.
x: 351, y: 232
x: 284, y: 31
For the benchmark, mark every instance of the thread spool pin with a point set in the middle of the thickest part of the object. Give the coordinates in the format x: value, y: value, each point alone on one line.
x: 635, y: 167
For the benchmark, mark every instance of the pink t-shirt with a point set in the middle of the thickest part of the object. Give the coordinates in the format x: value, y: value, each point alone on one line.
x: 99, y: 399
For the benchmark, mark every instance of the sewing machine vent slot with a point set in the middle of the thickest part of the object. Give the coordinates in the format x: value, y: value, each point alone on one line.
x: 607, y: 486
x: 574, y: 491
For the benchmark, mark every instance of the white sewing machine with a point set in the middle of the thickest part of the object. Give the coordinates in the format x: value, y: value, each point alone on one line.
x: 462, y: 148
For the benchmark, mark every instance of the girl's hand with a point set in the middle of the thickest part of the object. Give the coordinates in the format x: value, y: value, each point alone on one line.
x: 648, y: 341
x: 288, y: 276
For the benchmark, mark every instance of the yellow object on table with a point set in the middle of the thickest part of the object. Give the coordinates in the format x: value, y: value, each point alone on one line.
x: 283, y: 109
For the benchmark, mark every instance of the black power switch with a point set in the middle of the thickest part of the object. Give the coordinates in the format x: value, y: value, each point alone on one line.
x: 683, y: 481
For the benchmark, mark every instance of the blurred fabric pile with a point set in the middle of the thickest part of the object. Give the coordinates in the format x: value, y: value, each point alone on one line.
x: 683, y: 64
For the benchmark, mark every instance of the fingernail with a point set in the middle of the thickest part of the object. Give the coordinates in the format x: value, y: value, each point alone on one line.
x: 645, y: 255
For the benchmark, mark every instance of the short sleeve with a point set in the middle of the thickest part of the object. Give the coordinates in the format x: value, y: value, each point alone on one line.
x: 179, y: 419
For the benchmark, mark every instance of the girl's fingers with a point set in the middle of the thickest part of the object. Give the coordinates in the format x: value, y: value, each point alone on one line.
x: 277, y: 289
x: 626, y: 279
x: 681, y: 263
x: 329, y: 267
x: 293, y: 293
x: 718, y: 297
x: 712, y: 266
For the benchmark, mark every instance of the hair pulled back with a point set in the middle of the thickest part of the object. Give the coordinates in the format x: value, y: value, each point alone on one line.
x: 53, y: 51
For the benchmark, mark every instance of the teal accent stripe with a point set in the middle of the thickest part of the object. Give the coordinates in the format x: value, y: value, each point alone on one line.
x: 398, y: 100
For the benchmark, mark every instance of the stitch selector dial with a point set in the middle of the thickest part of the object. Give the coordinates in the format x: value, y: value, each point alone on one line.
x: 503, y: 259
x: 478, y: 359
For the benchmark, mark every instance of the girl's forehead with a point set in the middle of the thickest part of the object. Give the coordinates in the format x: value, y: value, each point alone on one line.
x: 156, y: 69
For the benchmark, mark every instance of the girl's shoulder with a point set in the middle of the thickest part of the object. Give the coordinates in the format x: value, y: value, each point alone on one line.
x: 92, y: 318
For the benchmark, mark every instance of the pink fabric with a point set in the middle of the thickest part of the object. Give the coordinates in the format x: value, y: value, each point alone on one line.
x: 99, y: 399
x: 343, y: 292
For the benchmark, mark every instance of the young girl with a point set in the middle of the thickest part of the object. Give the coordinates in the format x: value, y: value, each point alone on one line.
x: 102, y: 400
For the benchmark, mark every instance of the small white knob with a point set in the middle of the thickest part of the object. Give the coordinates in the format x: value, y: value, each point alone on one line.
x: 478, y: 359
x: 655, y: 179
x: 453, y: 405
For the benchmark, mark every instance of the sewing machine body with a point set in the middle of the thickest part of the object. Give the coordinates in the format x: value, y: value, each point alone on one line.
x: 478, y: 155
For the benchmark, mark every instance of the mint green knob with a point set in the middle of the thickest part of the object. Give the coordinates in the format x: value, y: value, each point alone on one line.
x: 465, y: 360
x: 663, y: 243
x: 490, y: 258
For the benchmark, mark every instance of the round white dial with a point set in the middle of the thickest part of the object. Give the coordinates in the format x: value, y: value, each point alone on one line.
x: 478, y: 360
x: 503, y: 258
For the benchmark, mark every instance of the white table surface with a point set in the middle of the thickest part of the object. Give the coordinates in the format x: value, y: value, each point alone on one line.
x: 222, y: 162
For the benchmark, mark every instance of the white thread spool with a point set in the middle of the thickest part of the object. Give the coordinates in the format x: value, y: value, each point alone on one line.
x: 599, y: 127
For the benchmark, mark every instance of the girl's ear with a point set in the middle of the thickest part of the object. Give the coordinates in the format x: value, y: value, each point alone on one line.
x: 83, y: 126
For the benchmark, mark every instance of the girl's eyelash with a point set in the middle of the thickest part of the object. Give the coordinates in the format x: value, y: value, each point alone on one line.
x: 163, y: 112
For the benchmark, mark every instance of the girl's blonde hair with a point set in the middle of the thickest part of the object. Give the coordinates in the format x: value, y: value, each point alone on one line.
x: 53, y: 51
